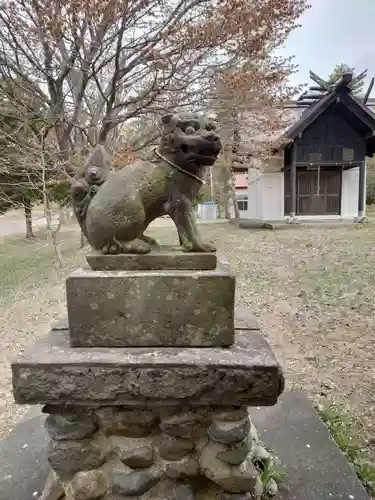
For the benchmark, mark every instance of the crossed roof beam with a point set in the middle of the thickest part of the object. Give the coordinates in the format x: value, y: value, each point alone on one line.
x: 322, y: 87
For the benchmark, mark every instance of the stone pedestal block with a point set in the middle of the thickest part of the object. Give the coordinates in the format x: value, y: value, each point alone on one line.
x: 51, y: 371
x: 161, y: 259
x: 147, y: 384
x: 151, y: 308
x: 151, y: 424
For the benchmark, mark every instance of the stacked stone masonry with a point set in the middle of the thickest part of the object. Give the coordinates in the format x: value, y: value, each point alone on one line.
x: 146, y: 387
x: 115, y: 453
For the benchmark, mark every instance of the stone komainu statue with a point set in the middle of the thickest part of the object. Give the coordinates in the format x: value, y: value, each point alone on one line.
x: 114, y: 208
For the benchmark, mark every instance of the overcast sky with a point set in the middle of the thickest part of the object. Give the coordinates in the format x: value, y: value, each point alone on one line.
x: 334, y: 31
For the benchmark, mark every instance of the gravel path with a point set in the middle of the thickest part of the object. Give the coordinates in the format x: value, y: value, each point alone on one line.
x: 311, y: 288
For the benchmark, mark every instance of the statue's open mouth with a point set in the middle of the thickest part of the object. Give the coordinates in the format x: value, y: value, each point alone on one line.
x: 207, y: 151
x: 206, y: 154
x: 212, y: 151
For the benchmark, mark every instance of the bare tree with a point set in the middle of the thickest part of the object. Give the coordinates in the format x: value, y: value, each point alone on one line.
x: 94, y: 65
x: 45, y: 166
x: 33, y: 176
x: 30, y: 170
x: 248, y: 103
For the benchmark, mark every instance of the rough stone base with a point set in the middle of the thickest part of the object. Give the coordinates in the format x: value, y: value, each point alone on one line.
x: 151, y: 308
x: 51, y: 371
x: 162, y: 258
x: 315, y: 467
x: 114, y: 453
x: 151, y: 424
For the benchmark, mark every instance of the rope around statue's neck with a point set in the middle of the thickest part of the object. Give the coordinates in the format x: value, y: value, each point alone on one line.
x: 201, y: 181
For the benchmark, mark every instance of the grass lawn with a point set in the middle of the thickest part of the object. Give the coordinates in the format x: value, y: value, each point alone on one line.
x: 312, y: 288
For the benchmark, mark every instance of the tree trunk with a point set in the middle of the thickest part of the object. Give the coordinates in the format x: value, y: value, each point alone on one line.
x: 226, y: 209
x: 219, y: 210
x: 237, y: 214
x: 229, y: 193
x: 28, y: 219
x: 52, y: 232
x: 83, y: 241
x: 62, y: 214
x: 65, y: 215
x: 64, y: 146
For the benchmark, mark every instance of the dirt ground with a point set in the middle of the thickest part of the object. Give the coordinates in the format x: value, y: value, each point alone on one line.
x: 312, y: 288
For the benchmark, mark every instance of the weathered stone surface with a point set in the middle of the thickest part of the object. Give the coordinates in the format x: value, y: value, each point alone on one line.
x: 131, y: 423
x: 236, y: 454
x: 114, y: 465
x: 231, y: 414
x: 229, y: 432
x: 158, y: 259
x: 62, y: 324
x: 254, y: 434
x: 258, y: 490
x: 88, y: 485
x: 60, y: 428
x: 52, y: 489
x: 235, y: 496
x: 150, y: 308
x: 244, y: 319
x: 139, y: 458
x: 183, y: 469
x: 185, y: 492
x: 260, y: 453
x: 203, y: 442
x: 239, y: 479
x: 166, y: 489
x: 69, y: 457
x: 186, y: 425
x: 51, y: 371
x: 272, y: 488
x: 135, y: 483
x: 108, y: 414
x: 172, y: 448
x: 135, y: 453
x: 68, y: 411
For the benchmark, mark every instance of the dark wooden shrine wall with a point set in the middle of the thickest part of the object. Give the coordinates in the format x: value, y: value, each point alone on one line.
x: 330, y: 139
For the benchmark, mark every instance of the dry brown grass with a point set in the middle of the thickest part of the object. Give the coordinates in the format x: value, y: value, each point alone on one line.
x: 31, y: 298
x: 311, y: 288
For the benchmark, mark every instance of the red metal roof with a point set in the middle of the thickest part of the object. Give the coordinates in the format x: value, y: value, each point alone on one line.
x: 241, y: 180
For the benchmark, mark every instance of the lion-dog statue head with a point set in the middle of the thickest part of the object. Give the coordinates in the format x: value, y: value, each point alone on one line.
x: 189, y: 140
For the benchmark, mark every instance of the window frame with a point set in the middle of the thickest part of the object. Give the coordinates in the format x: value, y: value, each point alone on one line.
x: 242, y: 201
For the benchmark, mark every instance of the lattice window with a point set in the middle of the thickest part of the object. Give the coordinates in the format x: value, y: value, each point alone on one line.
x: 242, y: 203
x: 314, y: 157
x: 347, y: 154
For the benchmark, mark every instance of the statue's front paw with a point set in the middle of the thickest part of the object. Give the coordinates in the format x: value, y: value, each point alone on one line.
x: 112, y: 248
x: 206, y: 246
x: 151, y: 241
x: 201, y: 246
x: 136, y: 246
